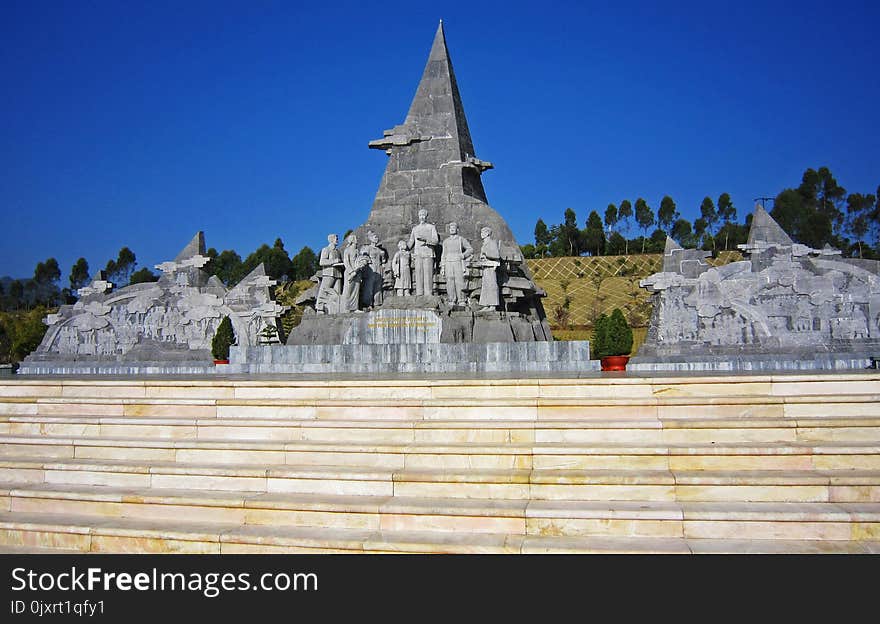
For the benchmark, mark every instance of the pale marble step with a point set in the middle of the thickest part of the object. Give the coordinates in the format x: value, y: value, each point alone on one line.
x: 806, y: 521
x: 637, y: 518
x: 657, y: 396
x: 782, y: 546
x: 465, y: 409
x: 121, y: 535
x: 126, y: 535
x: 86, y: 534
x: 779, y: 383
x: 36, y: 550
x: 821, y: 521
x: 363, y: 512
x: 571, y: 455
x: 700, y: 485
x: 586, y: 432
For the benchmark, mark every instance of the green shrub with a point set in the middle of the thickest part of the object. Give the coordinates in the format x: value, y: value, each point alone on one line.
x: 223, y: 339
x: 611, y: 335
x: 21, y: 332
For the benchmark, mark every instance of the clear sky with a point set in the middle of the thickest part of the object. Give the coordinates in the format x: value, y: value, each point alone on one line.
x: 140, y: 123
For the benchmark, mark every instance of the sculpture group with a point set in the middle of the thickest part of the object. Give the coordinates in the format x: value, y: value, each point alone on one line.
x: 358, y: 277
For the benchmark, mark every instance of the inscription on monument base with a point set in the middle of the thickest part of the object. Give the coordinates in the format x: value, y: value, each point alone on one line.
x: 395, y: 327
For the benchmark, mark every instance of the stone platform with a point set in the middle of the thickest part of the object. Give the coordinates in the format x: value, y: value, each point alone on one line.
x: 104, y: 368
x: 403, y: 320
x: 384, y: 359
x: 584, y: 463
x: 755, y: 363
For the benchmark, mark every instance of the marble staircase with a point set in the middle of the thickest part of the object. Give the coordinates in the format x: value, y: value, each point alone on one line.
x: 663, y: 464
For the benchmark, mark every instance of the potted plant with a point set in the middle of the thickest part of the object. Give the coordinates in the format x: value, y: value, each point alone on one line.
x: 612, y: 341
x: 223, y: 339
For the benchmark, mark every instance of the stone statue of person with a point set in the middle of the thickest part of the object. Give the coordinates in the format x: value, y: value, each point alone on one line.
x: 351, y: 286
x: 490, y: 261
x: 331, y: 265
x: 371, y: 289
x: 456, y: 253
x: 422, y: 240
x: 401, y: 265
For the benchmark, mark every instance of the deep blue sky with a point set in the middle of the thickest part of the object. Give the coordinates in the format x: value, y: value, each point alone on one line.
x: 140, y: 123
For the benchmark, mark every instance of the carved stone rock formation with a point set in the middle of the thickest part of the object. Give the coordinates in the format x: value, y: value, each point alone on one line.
x: 172, y: 320
x: 785, y: 301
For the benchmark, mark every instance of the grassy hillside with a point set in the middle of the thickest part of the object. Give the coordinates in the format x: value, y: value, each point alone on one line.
x: 580, y: 289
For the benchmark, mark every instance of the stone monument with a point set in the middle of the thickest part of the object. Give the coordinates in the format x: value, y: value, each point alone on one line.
x: 431, y: 178
x: 785, y: 307
x: 432, y: 164
x: 455, y: 302
x: 156, y: 327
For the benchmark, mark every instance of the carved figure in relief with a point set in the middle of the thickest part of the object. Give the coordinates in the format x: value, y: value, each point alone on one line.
x: 422, y: 241
x: 490, y: 261
x: 401, y: 266
x: 331, y: 275
x: 371, y: 289
x: 457, y: 251
x: 354, y: 263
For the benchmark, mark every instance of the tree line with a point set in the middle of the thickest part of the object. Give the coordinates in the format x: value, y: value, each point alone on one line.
x: 43, y: 290
x: 817, y: 212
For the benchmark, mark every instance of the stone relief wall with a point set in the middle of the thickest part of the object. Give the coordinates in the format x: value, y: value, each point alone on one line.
x: 784, y: 298
x: 169, y: 320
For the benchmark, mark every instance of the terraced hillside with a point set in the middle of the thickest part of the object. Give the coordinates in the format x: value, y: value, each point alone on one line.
x: 596, y: 285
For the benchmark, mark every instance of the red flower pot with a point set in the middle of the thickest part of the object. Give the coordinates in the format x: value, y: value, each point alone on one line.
x: 221, y: 361
x: 614, y: 362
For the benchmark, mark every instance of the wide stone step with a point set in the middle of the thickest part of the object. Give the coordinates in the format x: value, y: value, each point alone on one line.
x: 120, y: 535
x: 704, y: 455
x: 825, y: 521
x: 90, y: 534
x: 586, y: 430
x: 409, y: 386
x: 461, y: 409
x: 680, y: 485
x: 716, y: 463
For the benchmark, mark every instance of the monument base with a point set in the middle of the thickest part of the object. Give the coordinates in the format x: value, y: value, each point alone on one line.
x: 754, y: 362
x: 122, y: 369
x: 492, y: 357
x: 417, y: 320
x: 168, y: 361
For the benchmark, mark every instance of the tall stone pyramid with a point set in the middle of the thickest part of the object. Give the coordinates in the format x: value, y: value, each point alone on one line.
x: 432, y: 164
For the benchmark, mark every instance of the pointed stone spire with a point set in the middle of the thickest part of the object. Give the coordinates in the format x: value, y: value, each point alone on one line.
x: 671, y: 264
x: 432, y: 164
x: 671, y: 246
x: 190, y: 259
x: 196, y: 247
x: 764, y: 229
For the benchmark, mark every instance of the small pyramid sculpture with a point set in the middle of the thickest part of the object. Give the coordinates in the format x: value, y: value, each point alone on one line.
x: 670, y: 263
x: 432, y: 164
x: 190, y: 259
x: 195, y: 247
x: 765, y: 230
